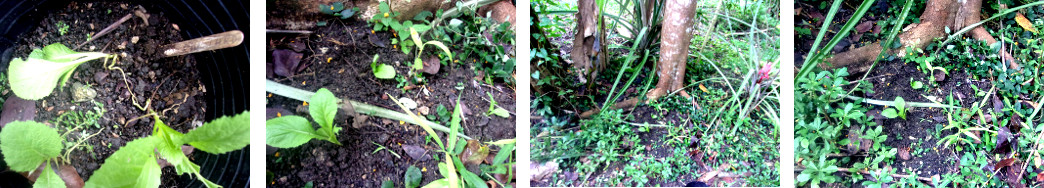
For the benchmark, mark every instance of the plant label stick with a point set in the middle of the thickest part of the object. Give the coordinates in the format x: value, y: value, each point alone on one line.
x: 218, y: 41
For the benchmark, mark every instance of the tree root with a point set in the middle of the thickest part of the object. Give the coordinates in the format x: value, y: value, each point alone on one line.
x: 937, y: 16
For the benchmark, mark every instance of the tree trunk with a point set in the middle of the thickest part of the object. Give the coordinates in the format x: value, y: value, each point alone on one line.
x: 588, y: 41
x: 674, y: 47
x: 937, y: 16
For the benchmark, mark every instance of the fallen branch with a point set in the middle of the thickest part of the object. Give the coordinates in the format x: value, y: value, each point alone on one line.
x: 106, y: 30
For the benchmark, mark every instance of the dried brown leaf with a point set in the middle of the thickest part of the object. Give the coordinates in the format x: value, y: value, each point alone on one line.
x: 1025, y: 23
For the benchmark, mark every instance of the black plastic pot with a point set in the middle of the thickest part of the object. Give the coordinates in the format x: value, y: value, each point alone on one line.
x: 224, y: 72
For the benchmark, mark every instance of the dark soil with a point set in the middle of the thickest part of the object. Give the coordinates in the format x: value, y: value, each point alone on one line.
x: 338, y: 57
x: 170, y: 86
x: 891, y: 79
x: 920, y: 128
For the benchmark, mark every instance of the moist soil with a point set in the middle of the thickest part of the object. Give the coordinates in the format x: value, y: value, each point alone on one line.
x: 651, y: 141
x: 170, y: 86
x: 338, y: 57
x: 891, y: 79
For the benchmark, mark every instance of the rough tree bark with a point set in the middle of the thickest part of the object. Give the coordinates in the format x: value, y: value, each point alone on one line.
x: 937, y: 15
x: 675, y: 38
x: 588, y: 41
x: 674, y: 48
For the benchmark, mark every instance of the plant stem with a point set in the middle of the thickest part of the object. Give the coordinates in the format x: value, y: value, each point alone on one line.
x: 302, y: 95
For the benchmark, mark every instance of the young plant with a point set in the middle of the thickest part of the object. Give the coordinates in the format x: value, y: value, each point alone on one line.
x: 135, y: 164
x: 385, y: 20
x: 382, y: 71
x: 494, y: 109
x: 28, y: 144
x: 898, y: 111
x: 815, y: 173
x: 417, y: 62
x: 36, y: 76
x: 292, y: 131
x: 337, y: 9
x: 62, y: 28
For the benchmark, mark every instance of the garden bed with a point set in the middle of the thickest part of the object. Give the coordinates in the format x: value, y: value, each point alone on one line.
x: 338, y: 57
x: 171, y: 86
x: 979, y: 104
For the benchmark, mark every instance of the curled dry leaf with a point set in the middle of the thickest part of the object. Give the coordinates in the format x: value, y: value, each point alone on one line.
x: 541, y: 171
x: 286, y: 62
x: 431, y: 65
x: 1004, y: 140
x: 474, y: 153
x: 904, y: 153
x: 1004, y: 163
x: 1025, y: 23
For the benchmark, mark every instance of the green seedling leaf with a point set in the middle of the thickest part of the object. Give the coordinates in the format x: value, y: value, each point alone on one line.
x: 221, y: 135
x: 49, y: 179
x: 505, y: 152
x: 289, y: 131
x: 500, y: 112
x: 323, y: 108
x: 440, y: 183
x: 133, y: 165
x: 35, y: 77
x: 169, y: 147
x: 455, y: 22
x: 348, y: 13
x: 382, y: 70
x: 421, y: 27
x: 383, y: 7
x: 454, y: 126
x: 473, y: 181
x: 889, y: 113
x: 27, y: 144
x: 917, y: 84
x: 413, y: 177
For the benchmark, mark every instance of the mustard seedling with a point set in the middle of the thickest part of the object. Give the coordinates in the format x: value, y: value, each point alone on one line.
x: 28, y: 144
x: 292, y: 131
x: 382, y: 71
x: 417, y: 62
x: 898, y: 111
x: 34, y: 77
x: 135, y: 164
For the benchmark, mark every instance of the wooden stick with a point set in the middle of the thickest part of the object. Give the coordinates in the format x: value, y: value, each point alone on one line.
x: 218, y: 41
x: 107, y: 30
x: 288, y: 31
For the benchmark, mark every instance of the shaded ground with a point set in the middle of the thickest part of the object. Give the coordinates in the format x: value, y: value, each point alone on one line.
x: 339, y: 57
x: 920, y: 131
x: 171, y: 84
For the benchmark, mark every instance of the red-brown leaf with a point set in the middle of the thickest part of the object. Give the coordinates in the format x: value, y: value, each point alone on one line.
x: 1004, y: 163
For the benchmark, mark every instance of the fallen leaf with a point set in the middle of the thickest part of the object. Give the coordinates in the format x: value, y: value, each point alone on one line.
x: 904, y: 153
x: 286, y: 62
x: 541, y: 171
x: 1040, y: 177
x: 704, y: 89
x: 416, y: 152
x: 17, y: 109
x: 865, y: 26
x: 1025, y: 23
x: 1003, y: 144
x: 431, y: 65
x: 1004, y: 163
x: 474, y: 153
